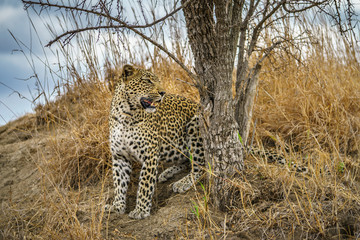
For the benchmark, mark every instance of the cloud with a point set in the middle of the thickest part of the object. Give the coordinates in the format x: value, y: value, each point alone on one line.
x: 10, y: 18
x: 13, y: 64
x: 9, y: 12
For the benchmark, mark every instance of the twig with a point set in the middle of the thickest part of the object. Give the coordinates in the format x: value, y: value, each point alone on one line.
x: 132, y: 28
x: 72, y: 32
x: 172, y: 56
x: 252, y: 137
x: 47, y: 4
x: 185, y: 82
x: 303, y: 9
x: 17, y: 92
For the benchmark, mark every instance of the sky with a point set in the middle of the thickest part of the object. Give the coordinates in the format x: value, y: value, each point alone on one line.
x: 17, y: 85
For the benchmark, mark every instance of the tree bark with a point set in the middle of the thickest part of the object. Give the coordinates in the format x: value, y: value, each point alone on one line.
x: 244, y: 100
x: 223, y: 147
x: 212, y: 43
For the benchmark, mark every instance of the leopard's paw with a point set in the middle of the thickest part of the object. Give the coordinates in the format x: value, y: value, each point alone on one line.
x: 182, y: 185
x: 139, y: 214
x: 114, y: 208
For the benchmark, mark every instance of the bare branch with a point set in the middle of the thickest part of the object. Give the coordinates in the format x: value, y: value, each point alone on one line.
x: 16, y: 92
x: 73, y: 32
x: 172, y: 56
x: 258, y: 27
x: 313, y: 4
x: 183, y: 81
x: 242, y: 60
x: 47, y: 4
x: 123, y: 24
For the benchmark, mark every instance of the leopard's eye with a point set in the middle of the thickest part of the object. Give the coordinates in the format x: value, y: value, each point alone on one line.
x: 146, y: 79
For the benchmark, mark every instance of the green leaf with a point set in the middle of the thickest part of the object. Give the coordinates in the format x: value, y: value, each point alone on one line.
x: 202, y: 186
x: 341, y: 167
x: 240, y: 138
x: 195, y: 210
x: 273, y: 138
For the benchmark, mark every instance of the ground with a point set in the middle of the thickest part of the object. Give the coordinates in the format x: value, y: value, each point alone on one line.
x: 270, y: 202
x: 17, y: 171
x: 22, y: 183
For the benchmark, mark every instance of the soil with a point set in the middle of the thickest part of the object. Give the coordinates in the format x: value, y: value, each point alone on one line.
x: 21, y: 184
x: 18, y: 171
x: 29, y: 202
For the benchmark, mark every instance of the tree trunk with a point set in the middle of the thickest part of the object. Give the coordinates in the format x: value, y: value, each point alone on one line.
x: 222, y: 146
x: 213, y: 51
x: 245, y: 98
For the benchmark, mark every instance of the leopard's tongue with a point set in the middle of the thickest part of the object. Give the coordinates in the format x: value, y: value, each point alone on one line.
x: 147, y: 103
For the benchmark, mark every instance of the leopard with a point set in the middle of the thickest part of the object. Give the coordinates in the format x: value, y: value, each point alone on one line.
x: 149, y: 126
x: 273, y: 156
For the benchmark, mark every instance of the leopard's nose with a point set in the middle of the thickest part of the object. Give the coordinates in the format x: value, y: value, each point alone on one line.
x: 162, y: 93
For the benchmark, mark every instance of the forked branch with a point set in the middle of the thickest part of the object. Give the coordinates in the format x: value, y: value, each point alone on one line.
x: 122, y: 24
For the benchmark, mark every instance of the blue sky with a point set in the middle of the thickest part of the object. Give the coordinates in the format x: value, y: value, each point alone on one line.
x: 15, y: 70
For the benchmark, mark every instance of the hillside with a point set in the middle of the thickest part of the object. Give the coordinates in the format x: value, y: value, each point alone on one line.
x: 23, y: 185
x: 56, y: 175
x: 25, y: 214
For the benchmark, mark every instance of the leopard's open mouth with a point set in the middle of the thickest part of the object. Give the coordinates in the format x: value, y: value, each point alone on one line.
x: 147, y: 103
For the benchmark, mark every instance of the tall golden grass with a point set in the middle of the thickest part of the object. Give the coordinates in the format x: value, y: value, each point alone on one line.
x: 310, y: 107
x: 309, y: 110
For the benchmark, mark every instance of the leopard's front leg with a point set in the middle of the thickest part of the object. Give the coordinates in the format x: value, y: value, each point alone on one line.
x: 147, y: 183
x: 121, y: 176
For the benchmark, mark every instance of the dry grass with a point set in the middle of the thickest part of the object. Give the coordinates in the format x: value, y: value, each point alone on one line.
x: 311, y: 108
x: 80, y: 134
x: 315, y: 103
x: 308, y: 111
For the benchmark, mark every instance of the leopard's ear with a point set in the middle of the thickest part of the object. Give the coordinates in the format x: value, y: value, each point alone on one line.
x: 128, y: 70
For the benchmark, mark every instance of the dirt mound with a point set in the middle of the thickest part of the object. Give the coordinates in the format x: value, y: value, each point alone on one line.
x: 24, y: 185
x: 270, y: 201
x: 19, y: 175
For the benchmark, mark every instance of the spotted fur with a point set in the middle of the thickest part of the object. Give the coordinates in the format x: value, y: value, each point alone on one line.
x: 147, y: 125
x: 274, y: 157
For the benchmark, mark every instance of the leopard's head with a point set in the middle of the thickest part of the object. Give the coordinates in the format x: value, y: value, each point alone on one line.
x: 142, y: 87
